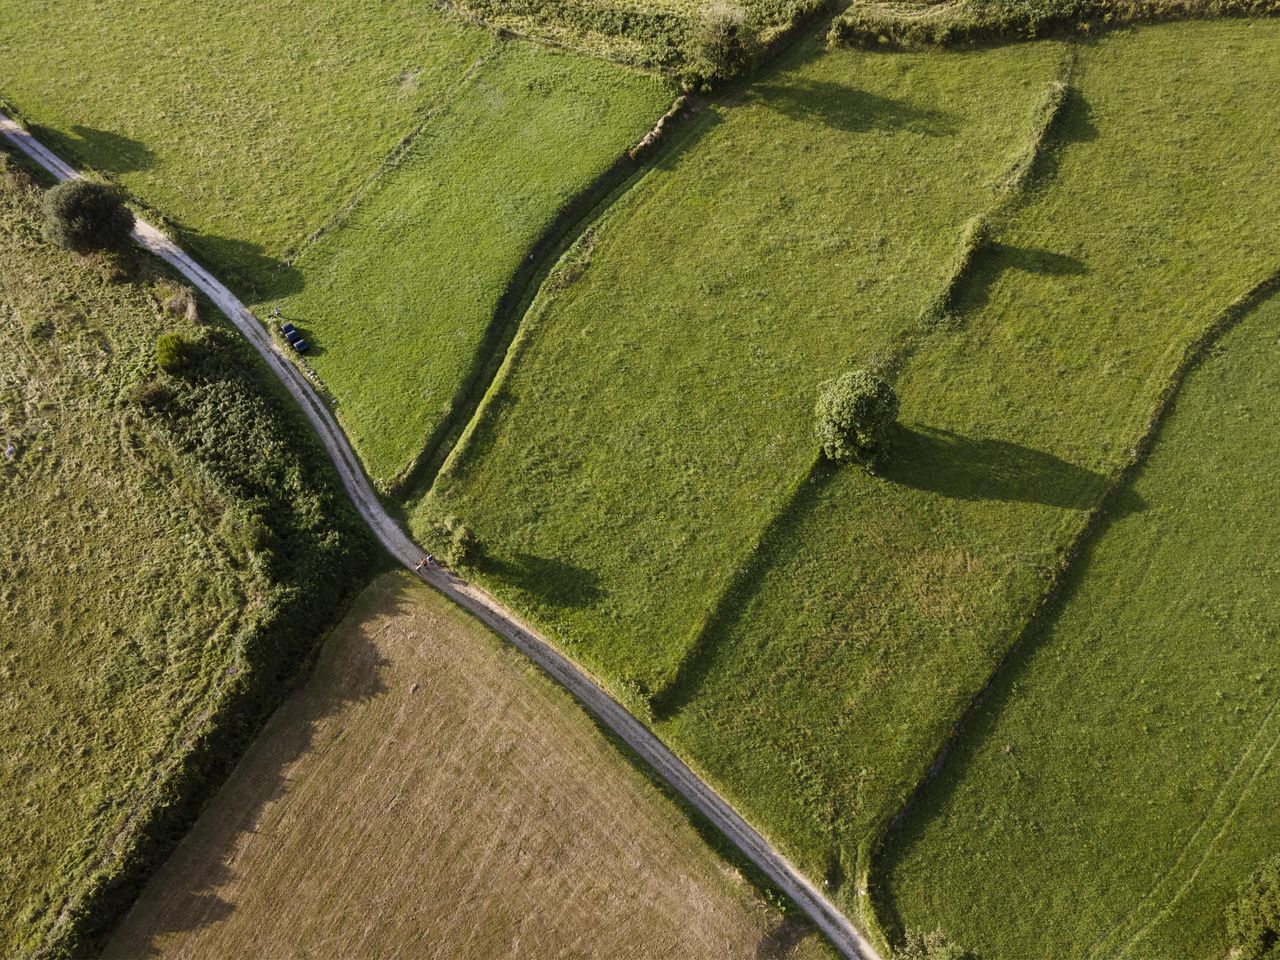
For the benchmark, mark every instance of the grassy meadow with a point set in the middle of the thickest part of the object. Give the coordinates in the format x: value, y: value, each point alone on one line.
x: 139, y: 607
x: 657, y: 409
x: 378, y: 173
x: 1119, y: 781
x: 430, y: 794
x: 400, y: 294
x: 618, y: 494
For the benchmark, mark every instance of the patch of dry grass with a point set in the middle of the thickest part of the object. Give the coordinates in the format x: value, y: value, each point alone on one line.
x: 429, y: 795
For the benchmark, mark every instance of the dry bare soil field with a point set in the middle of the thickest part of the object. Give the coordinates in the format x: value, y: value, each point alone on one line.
x: 428, y: 794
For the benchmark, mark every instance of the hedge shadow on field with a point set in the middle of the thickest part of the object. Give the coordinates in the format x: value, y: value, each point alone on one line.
x: 350, y: 676
x: 844, y: 107
x: 999, y: 257
x: 982, y: 468
x: 726, y: 609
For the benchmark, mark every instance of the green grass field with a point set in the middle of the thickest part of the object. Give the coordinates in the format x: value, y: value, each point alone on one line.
x: 401, y: 293
x: 658, y: 409
x: 102, y: 544
x: 1120, y: 780
x: 139, y: 618
x: 644, y: 443
x: 259, y: 131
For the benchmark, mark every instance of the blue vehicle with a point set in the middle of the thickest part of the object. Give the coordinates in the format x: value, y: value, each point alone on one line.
x: 287, y: 329
x: 300, y: 345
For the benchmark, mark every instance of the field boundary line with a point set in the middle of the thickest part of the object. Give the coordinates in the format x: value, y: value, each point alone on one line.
x: 569, y: 223
x: 1088, y: 531
x: 582, y: 686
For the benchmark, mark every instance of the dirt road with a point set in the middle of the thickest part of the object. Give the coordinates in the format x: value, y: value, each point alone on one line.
x: 824, y: 915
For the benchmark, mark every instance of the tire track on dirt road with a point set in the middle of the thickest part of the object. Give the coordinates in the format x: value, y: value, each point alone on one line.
x: 850, y: 943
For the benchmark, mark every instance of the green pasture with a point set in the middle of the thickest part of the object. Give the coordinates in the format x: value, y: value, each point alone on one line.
x: 1119, y: 781
x: 400, y: 295
x: 247, y: 124
x: 881, y: 604
x: 118, y: 603
x: 658, y: 406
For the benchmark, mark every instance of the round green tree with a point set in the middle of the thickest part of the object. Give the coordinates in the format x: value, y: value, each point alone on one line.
x: 82, y: 215
x: 854, y: 414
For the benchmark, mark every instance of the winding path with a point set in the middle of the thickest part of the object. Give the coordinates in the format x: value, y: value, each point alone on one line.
x: 697, y: 793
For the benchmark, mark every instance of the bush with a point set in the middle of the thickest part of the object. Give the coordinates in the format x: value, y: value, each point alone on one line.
x: 174, y: 352
x: 1253, y: 921
x: 930, y: 946
x: 81, y: 215
x: 854, y: 414
x: 724, y: 43
x: 454, y: 540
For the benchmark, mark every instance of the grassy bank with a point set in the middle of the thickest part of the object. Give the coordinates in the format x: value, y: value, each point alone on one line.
x: 162, y: 580
x: 926, y: 23
x: 1119, y: 781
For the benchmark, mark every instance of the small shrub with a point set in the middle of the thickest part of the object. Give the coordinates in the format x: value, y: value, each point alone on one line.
x: 724, y: 43
x: 454, y: 540
x: 1253, y: 921
x: 854, y: 414
x: 174, y: 352
x: 930, y: 946
x: 81, y: 215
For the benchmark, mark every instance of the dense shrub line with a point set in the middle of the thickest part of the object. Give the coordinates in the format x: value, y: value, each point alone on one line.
x: 701, y: 44
x: 285, y: 514
x: 906, y: 25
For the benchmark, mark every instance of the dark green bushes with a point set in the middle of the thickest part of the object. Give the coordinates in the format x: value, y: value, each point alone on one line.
x: 725, y: 43
x: 454, y: 540
x: 174, y: 352
x: 853, y: 416
x: 1253, y: 921
x: 82, y: 215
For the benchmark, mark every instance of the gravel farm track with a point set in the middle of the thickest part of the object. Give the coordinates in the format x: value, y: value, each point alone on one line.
x: 697, y: 793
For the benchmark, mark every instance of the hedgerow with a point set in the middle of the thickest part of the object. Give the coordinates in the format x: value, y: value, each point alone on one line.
x: 906, y: 25
x: 284, y: 509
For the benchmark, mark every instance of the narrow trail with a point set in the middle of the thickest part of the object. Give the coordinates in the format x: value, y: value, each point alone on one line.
x: 824, y: 915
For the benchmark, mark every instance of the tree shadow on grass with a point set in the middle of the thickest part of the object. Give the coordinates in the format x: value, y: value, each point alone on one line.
x: 185, y: 895
x: 244, y: 266
x: 967, y: 468
x: 99, y: 149
x: 843, y: 107
x: 551, y: 581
